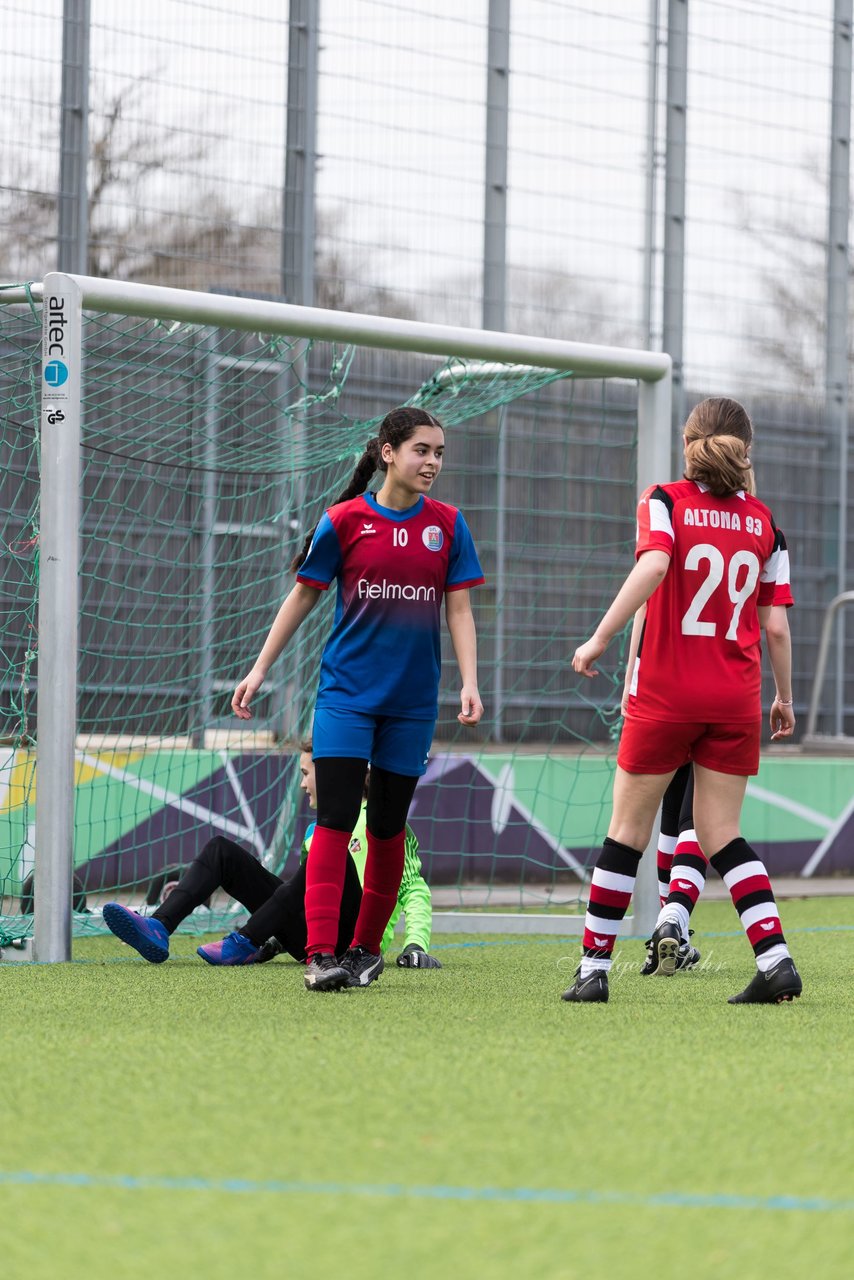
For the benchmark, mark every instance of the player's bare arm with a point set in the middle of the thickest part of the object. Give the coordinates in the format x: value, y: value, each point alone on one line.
x: 648, y: 573
x: 774, y: 621
x: 296, y: 607
x: 461, y: 626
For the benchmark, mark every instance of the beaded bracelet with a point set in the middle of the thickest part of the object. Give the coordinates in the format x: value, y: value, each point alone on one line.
x: 783, y: 702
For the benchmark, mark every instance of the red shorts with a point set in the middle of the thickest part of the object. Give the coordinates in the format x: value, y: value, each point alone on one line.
x: 660, y: 746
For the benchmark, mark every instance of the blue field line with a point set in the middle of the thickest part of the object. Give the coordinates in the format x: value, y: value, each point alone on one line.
x: 402, y: 1191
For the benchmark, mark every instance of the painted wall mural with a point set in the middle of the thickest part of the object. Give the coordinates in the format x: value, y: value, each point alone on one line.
x: 480, y: 817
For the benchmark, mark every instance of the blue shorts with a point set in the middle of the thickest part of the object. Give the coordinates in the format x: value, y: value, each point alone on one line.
x: 391, y: 743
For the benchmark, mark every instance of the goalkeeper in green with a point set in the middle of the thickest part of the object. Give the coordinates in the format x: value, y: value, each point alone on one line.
x: 277, y: 921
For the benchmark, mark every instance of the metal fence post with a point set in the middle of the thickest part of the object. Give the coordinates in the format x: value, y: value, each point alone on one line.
x: 836, y: 330
x: 673, y: 287
x: 73, y: 213
x: 495, y: 296
x: 298, y: 206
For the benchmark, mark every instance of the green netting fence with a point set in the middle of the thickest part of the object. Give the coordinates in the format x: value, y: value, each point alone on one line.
x: 207, y: 454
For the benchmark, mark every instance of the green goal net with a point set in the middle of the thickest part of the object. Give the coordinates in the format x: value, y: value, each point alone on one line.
x: 206, y: 454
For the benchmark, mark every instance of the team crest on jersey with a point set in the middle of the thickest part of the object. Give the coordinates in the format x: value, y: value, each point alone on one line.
x: 355, y: 845
x: 433, y: 538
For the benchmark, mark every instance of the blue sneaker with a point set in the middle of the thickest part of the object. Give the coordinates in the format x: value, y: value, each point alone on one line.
x: 145, y: 934
x: 235, y: 949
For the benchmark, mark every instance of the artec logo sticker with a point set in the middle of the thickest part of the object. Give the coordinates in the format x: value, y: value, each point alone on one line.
x: 55, y: 373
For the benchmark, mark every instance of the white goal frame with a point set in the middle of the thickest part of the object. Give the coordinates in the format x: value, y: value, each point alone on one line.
x: 64, y: 299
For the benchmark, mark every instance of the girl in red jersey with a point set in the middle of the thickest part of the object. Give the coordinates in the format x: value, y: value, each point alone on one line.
x: 395, y: 555
x: 710, y: 564
x: 681, y: 863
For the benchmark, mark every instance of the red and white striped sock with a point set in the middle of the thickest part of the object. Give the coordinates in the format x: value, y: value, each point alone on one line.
x: 610, y: 894
x: 744, y: 874
x: 664, y: 861
x: 678, y: 795
x: 687, y: 878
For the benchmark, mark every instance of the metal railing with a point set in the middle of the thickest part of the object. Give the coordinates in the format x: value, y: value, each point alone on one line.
x: 811, y: 738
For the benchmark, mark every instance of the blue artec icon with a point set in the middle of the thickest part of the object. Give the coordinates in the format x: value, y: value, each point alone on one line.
x: 55, y: 373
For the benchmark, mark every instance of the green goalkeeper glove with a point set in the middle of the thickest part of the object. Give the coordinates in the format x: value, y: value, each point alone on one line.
x: 414, y: 957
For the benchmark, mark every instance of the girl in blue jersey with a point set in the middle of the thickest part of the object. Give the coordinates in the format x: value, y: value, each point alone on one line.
x: 395, y: 556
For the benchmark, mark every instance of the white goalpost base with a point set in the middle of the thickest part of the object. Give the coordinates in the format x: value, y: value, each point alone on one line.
x: 529, y: 922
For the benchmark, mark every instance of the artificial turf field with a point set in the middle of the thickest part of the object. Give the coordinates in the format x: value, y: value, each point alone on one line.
x: 179, y: 1120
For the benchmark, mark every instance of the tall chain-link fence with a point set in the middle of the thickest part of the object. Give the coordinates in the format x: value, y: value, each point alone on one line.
x: 220, y: 141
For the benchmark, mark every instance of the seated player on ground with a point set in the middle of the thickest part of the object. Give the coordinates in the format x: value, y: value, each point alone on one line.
x: 277, y: 920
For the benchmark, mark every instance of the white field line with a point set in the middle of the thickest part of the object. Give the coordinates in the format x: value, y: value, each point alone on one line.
x: 817, y: 854
x: 248, y: 815
x: 167, y: 797
x: 791, y: 806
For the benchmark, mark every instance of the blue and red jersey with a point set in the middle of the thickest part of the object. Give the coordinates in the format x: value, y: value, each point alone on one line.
x: 700, y: 656
x: 383, y: 655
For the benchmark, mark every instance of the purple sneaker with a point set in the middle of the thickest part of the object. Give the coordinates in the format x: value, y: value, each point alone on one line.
x: 145, y: 934
x: 235, y: 949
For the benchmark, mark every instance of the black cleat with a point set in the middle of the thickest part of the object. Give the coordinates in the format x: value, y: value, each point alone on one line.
x: 686, y: 958
x: 271, y: 948
x: 781, y: 983
x: 663, y: 951
x: 362, y: 967
x: 590, y: 990
x: 324, y: 973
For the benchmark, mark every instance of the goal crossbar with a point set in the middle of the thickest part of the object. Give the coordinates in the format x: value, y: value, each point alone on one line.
x: 252, y: 314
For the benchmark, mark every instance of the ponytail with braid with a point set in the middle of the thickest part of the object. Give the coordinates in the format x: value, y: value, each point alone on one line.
x: 396, y: 427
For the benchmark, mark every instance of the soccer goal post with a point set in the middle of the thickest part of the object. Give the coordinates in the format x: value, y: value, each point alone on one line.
x: 169, y: 460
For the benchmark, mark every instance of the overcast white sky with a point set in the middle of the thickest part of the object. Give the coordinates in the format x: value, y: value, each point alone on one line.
x: 402, y: 122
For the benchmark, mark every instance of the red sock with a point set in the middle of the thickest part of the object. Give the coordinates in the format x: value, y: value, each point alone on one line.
x: 324, y: 882
x: 383, y: 874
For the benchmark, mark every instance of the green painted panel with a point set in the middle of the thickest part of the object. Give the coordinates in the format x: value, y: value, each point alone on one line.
x: 792, y: 798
